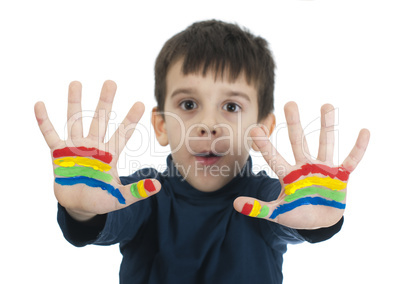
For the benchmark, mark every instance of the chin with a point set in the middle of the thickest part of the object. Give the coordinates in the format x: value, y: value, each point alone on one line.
x: 208, y: 183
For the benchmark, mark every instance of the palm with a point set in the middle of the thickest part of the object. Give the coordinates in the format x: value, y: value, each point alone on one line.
x: 288, y: 209
x: 85, y: 168
x: 82, y: 197
x: 313, y: 191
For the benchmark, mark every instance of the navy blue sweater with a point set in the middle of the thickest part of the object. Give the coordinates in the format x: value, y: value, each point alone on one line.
x: 183, y: 235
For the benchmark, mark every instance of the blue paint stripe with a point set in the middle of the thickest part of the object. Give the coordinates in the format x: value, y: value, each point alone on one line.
x: 92, y: 183
x: 306, y: 201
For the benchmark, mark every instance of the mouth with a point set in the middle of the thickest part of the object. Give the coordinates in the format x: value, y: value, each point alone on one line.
x: 208, y: 154
x: 208, y: 158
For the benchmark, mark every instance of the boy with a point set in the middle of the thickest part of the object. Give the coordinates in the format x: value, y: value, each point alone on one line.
x: 214, y: 87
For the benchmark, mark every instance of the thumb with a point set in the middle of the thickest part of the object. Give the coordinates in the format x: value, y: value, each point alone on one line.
x: 253, y: 207
x: 140, y: 190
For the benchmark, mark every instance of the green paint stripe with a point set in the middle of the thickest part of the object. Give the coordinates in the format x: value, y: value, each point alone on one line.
x: 324, y: 192
x: 134, y: 190
x: 82, y: 171
x: 264, y: 212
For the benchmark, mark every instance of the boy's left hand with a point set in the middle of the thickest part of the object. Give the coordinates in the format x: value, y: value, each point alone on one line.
x: 313, y: 191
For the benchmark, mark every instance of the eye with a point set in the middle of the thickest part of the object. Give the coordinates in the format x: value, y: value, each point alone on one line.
x: 232, y: 107
x: 188, y: 105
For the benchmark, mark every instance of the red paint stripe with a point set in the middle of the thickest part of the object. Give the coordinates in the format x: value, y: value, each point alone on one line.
x: 83, y: 152
x: 338, y: 172
x: 247, y: 209
x: 149, y: 185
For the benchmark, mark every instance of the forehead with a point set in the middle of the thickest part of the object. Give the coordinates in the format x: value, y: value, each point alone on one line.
x: 176, y: 79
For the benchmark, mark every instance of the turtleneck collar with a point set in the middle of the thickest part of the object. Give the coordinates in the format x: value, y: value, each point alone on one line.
x: 184, y: 188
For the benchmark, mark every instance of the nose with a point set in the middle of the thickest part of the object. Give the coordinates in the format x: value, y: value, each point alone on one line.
x: 208, y: 127
x: 203, y: 130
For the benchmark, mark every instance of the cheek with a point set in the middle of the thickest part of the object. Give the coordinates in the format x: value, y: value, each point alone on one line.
x: 243, y: 141
x: 232, y: 118
x: 245, y: 138
x: 234, y: 138
x: 175, y: 130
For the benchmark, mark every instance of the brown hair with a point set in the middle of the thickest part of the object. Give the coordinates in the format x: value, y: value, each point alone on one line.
x: 219, y: 46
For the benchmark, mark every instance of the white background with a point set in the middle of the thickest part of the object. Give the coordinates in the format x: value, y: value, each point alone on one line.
x: 347, y: 53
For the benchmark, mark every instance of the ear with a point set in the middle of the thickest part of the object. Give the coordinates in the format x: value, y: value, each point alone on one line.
x: 267, y: 125
x: 158, y: 122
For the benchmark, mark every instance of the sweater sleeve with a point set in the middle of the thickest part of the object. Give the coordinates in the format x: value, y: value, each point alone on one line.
x: 79, y: 233
x: 111, y: 228
x: 322, y: 234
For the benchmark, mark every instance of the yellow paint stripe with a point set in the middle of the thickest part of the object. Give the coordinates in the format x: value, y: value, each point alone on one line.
x: 141, y: 189
x: 328, y: 182
x: 82, y: 161
x: 256, y: 209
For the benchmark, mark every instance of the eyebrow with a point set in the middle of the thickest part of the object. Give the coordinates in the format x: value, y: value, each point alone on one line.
x: 186, y: 91
x: 238, y: 94
x: 190, y: 91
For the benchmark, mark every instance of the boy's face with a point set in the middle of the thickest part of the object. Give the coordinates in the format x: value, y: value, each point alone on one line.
x: 207, y: 121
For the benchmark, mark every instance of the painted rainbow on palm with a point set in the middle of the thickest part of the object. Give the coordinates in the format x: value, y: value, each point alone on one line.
x: 82, y: 165
x: 299, y: 188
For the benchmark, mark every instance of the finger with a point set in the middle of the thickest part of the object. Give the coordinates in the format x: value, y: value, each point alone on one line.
x: 126, y: 128
x: 74, y: 112
x: 357, y: 153
x: 276, y: 162
x: 46, y: 127
x: 97, y: 130
x: 253, y: 207
x: 326, y: 148
x: 140, y: 190
x: 296, y: 135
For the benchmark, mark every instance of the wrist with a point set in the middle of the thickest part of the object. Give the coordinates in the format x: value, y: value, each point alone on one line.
x: 80, y: 216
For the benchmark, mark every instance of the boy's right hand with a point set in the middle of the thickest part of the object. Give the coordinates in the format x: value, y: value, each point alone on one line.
x: 85, y: 168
